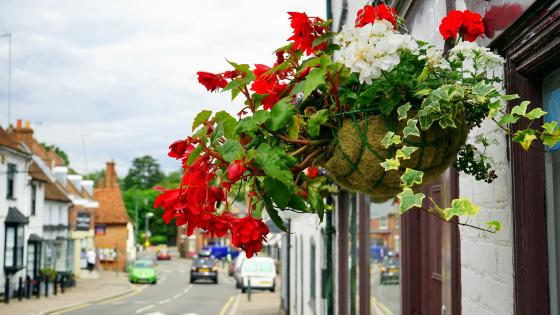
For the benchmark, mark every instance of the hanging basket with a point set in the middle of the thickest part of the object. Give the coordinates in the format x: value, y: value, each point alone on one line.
x: 358, y: 152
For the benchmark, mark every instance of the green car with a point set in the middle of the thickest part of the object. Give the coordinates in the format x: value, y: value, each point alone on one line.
x: 143, y: 271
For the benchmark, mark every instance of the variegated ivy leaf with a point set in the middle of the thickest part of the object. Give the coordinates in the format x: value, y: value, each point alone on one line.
x: 391, y: 164
x: 403, y: 110
x: 520, y: 109
x: 482, y: 89
x: 390, y: 139
x: 447, y: 121
x: 525, y: 138
x: 509, y: 97
x: 461, y: 207
x: 508, y: 119
x: 411, y: 177
x: 408, y: 199
x: 550, y: 126
x: 423, y: 92
x: 535, y: 113
x: 405, y: 152
x: 494, y: 224
x: 411, y: 129
x: 551, y: 136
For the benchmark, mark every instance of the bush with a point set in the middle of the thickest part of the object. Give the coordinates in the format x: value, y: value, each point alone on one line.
x: 158, y: 239
x: 48, y: 273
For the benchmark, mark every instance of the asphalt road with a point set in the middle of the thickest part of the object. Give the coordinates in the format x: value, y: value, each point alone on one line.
x: 385, y: 297
x: 172, y: 295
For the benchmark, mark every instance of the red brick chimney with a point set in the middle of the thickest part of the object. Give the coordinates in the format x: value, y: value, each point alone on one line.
x: 110, y: 179
x: 23, y: 134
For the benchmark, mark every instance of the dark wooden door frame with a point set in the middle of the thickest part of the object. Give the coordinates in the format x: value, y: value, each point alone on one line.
x: 531, y: 47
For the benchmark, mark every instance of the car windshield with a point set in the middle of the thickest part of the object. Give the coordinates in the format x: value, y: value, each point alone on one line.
x: 143, y: 264
x: 265, y: 266
x: 262, y: 266
x: 204, y: 262
x: 391, y: 262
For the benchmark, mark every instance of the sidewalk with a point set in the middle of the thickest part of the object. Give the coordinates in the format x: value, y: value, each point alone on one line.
x: 262, y: 303
x: 85, y: 291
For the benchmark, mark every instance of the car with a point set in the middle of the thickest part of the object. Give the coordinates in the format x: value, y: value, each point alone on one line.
x: 205, y: 253
x: 163, y: 255
x: 204, y: 268
x: 389, y: 271
x: 143, y: 271
x: 237, y: 268
x: 258, y: 273
x: 231, y: 267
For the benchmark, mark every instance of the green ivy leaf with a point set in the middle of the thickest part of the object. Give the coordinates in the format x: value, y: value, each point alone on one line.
x: 315, y: 78
x: 535, y: 113
x: 482, y: 89
x: 273, y: 165
x: 423, y: 92
x: 273, y: 214
x: 391, y: 164
x: 405, y: 152
x: 411, y: 177
x: 278, y: 191
x: 280, y: 115
x: 231, y: 150
x: 525, y: 138
x: 403, y: 110
x: 315, y: 121
x: 550, y: 126
x: 461, y: 207
x: 509, y: 97
x: 447, y: 121
x: 411, y: 129
x: 390, y: 139
x: 508, y: 119
x: 408, y: 199
x: 520, y: 109
x: 551, y: 135
x: 201, y: 118
x: 494, y: 224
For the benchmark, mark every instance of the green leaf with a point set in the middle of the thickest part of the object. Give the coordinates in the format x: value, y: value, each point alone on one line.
x: 461, y: 207
x: 278, y: 191
x: 231, y: 150
x: 315, y: 78
x: 295, y: 127
x: 246, y: 125
x: 260, y: 116
x: 411, y: 129
x: 403, y: 110
x: 535, y: 113
x: 229, y: 123
x: 525, y: 138
x: 273, y: 214
x: 447, y: 121
x: 315, y: 121
x: 390, y: 139
x: 550, y: 126
x: 508, y: 119
x: 520, y: 109
x: 482, y: 89
x: 201, y: 118
x: 423, y: 92
x: 405, y: 152
x: 298, y: 203
x: 509, y: 97
x: 408, y: 199
x: 194, y: 154
x: 272, y: 164
x: 424, y: 75
x: 316, y: 202
x: 391, y: 164
x: 494, y: 224
x: 411, y: 177
x: 280, y: 115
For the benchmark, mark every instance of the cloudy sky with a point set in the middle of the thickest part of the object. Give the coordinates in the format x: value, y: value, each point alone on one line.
x: 122, y: 74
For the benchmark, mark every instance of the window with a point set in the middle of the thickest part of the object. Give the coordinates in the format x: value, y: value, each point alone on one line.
x: 383, y: 223
x: 33, y: 198
x: 10, y: 245
x: 11, y: 180
x: 397, y: 222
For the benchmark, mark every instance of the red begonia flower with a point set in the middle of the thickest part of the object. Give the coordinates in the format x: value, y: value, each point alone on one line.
x: 211, y: 81
x: 305, y: 31
x: 312, y: 171
x: 180, y: 149
x: 249, y: 234
x: 236, y: 170
x: 220, y: 225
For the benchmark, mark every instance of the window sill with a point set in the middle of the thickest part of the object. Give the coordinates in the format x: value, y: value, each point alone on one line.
x: 11, y: 198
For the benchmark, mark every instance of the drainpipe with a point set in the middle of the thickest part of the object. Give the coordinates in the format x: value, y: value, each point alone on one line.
x: 288, y: 262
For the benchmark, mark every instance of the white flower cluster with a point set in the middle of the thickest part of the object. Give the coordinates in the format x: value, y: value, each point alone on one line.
x: 475, y: 59
x: 372, y: 49
x: 434, y: 58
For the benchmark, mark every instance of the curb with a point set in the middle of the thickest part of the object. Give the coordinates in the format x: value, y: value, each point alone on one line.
x: 99, y: 300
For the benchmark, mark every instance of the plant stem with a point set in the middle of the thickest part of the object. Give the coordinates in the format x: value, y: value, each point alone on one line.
x: 456, y: 222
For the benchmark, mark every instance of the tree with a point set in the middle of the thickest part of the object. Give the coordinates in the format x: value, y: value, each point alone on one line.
x: 145, y: 173
x: 57, y: 150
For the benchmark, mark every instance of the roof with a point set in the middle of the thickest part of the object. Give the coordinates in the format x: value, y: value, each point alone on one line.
x: 111, y: 206
x: 8, y: 141
x: 15, y: 216
x: 54, y: 192
x: 58, y: 161
x: 37, y: 173
x: 72, y: 189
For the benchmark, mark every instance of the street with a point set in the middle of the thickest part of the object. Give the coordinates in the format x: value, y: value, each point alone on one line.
x: 171, y: 295
x: 385, y: 297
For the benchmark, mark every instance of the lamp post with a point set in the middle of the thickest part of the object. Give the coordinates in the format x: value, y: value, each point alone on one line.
x: 9, y: 36
x: 147, y: 228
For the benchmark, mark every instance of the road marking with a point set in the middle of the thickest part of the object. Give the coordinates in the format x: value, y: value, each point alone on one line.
x: 382, y: 306
x: 164, y: 301
x: 176, y: 296
x: 187, y: 288
x: 70, y: 309
x: 190, y: 314
x: 226, y: 306
x: 156, y: 313
x: 145, y: 308
x: 122, y: 297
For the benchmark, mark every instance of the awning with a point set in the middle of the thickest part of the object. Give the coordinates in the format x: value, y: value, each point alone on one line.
x: 34, y: 238
x: 14, y: 216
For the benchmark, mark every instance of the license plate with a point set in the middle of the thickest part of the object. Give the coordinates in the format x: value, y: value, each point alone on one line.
x: 203, y: 270
x: 264, y: 283
x: 393, y: 270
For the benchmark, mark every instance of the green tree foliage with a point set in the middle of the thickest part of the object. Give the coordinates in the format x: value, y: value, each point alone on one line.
x: 57, y: 150
x: 145, y: 173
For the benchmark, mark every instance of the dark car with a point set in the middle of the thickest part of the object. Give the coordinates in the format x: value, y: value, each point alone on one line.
x: 163, y: 255
x: 204, y: 268
x: 205, y: 253
x: 390, y: 271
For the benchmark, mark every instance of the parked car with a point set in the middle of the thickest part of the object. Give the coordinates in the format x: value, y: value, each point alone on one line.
x: 389, y: 271
x: 205, y: 253
x: 231, y: 268
x: 204, y: 268
x: 163, y: 254
x: 237, y: 268
x: 143, y: 271
x: 259, y: 273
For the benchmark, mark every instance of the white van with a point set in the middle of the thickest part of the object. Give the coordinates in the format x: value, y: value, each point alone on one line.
x: 260, y: 272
